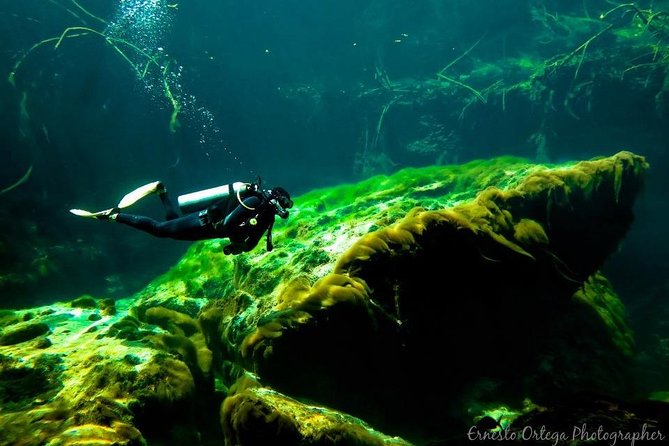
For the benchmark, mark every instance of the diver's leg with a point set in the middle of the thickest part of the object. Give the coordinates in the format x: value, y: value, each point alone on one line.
x: 171, y: 211
x: 140, y: 222
x: 189, y: 227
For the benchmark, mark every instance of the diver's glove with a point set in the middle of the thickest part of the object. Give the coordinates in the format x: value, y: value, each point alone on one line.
x: 278, y: 205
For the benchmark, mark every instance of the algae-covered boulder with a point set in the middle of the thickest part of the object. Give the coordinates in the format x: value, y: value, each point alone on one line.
x: 92, y: 385
x: 23, y: 333
x: 263, y: 416
x: 487, y: 296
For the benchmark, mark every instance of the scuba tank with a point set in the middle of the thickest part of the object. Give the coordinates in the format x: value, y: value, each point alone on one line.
x: 197, y: 201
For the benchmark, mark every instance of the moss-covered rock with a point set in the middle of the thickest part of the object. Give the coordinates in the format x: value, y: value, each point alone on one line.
x: 498, y: 288
x: 259, y: 415
x: 21, y: 384
x: 172, y: 321
x: 118, y: 433
x: 127, y: 327
x: 164, y: 382
x: 8, y: 317
x: 185, y: 339
x: 105, y: 380
x: 107, y: 306
x: 85, y: 301
x: 23, y: 333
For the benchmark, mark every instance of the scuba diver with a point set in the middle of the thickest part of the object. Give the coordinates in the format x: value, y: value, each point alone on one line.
x: 239, y: 211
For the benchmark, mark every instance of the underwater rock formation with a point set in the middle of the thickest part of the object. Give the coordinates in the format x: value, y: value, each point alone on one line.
x: 23, y: 333
x: 259, y: 415
x: 408, y: 304
x: 495, y: 296
x: 88, y: 385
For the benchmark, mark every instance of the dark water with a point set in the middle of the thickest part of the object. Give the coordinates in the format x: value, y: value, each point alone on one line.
x: 307, y: 94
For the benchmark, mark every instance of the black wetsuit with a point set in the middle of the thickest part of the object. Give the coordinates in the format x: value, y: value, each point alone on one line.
x: 224, y: 218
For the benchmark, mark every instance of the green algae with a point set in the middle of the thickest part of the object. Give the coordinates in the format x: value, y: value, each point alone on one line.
x: 336, y: 217
x: 322, y: 225
x: 598, y: 294
x: 21, y: 384
x: 128, y: 328
x: 103, y: 381
x: 8, y: 317
x: 527, y: 228
x: 85, y: 301
x: 324, y: 305
x: 278, y: 419
x: 659, y: 395
x: 205, y: 257
x: 438, y: 184
x: 23, y: 333
x: 503, y: 415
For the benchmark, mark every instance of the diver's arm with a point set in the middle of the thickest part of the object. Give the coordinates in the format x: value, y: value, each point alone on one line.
x: 237, y: 246
x: 254, y: 237
x: 251, y: 235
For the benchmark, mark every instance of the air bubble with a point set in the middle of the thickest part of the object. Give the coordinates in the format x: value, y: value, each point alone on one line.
x: 147, y: 24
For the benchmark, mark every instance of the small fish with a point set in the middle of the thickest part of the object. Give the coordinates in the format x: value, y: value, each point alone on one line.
x: 173, y: 5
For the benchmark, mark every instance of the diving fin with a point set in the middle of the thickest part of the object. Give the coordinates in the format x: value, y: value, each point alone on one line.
x: 139, y: 193
x: 102, y: 215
